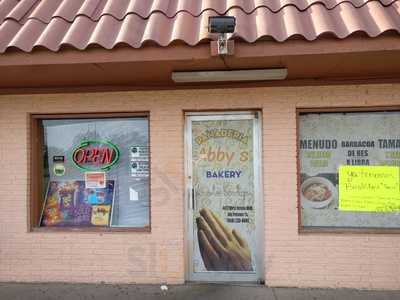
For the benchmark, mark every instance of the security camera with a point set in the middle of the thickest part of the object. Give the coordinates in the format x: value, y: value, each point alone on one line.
x: 221, y: 24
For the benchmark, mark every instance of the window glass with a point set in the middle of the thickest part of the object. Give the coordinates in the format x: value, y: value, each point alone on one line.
x: 365, y: 147
x: 96, y: 172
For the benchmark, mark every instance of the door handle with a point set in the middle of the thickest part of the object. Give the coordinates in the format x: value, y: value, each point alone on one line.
x: 193, y: 200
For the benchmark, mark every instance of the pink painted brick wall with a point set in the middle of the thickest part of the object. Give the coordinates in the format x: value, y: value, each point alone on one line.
x: 318, y: 260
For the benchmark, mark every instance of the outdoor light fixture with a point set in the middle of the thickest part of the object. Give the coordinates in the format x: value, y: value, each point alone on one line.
x: 235, y: 75
x: 222, y: 25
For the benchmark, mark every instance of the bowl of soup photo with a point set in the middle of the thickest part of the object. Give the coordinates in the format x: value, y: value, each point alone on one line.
x: 317, y: 192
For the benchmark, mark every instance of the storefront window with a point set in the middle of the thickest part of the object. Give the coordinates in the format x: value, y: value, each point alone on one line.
x: 95, y: 172
x: 349, y: 169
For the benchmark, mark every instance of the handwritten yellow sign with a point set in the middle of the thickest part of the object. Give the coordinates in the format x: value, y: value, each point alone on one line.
x: 369, y: 188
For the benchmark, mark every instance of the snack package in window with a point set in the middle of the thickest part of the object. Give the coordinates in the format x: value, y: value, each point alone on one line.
x: 100, y: 215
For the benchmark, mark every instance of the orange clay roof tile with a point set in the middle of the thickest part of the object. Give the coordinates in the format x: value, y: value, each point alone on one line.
x: 26, y: 24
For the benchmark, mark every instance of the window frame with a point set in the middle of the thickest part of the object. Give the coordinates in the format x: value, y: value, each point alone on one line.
x: 35, y: 171
x: 334, y: 230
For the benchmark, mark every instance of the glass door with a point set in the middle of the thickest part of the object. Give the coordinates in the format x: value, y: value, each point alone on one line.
x: 225, y: 220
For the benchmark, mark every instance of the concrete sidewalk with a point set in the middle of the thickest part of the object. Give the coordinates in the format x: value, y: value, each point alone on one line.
x: 61, y: 291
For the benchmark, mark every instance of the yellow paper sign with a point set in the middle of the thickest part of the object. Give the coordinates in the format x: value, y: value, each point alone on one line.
x: 369, y: 188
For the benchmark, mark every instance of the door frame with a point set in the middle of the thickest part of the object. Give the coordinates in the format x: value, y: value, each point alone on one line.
x: 223, y: 276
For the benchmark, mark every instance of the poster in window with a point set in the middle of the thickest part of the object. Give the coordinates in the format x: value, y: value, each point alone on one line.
x: 95, y: 179
x: 330, y: 140
x: 70, y: 203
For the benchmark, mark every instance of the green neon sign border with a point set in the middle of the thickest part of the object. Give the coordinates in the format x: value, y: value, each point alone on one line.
x: 104, y: 142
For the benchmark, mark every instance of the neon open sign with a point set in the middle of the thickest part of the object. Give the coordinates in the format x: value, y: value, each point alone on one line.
x: 95, y: 155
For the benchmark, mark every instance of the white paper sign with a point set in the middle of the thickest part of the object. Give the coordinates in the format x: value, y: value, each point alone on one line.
x: 139, y: 153
x: 140, y: 169
x: 133, y: 195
